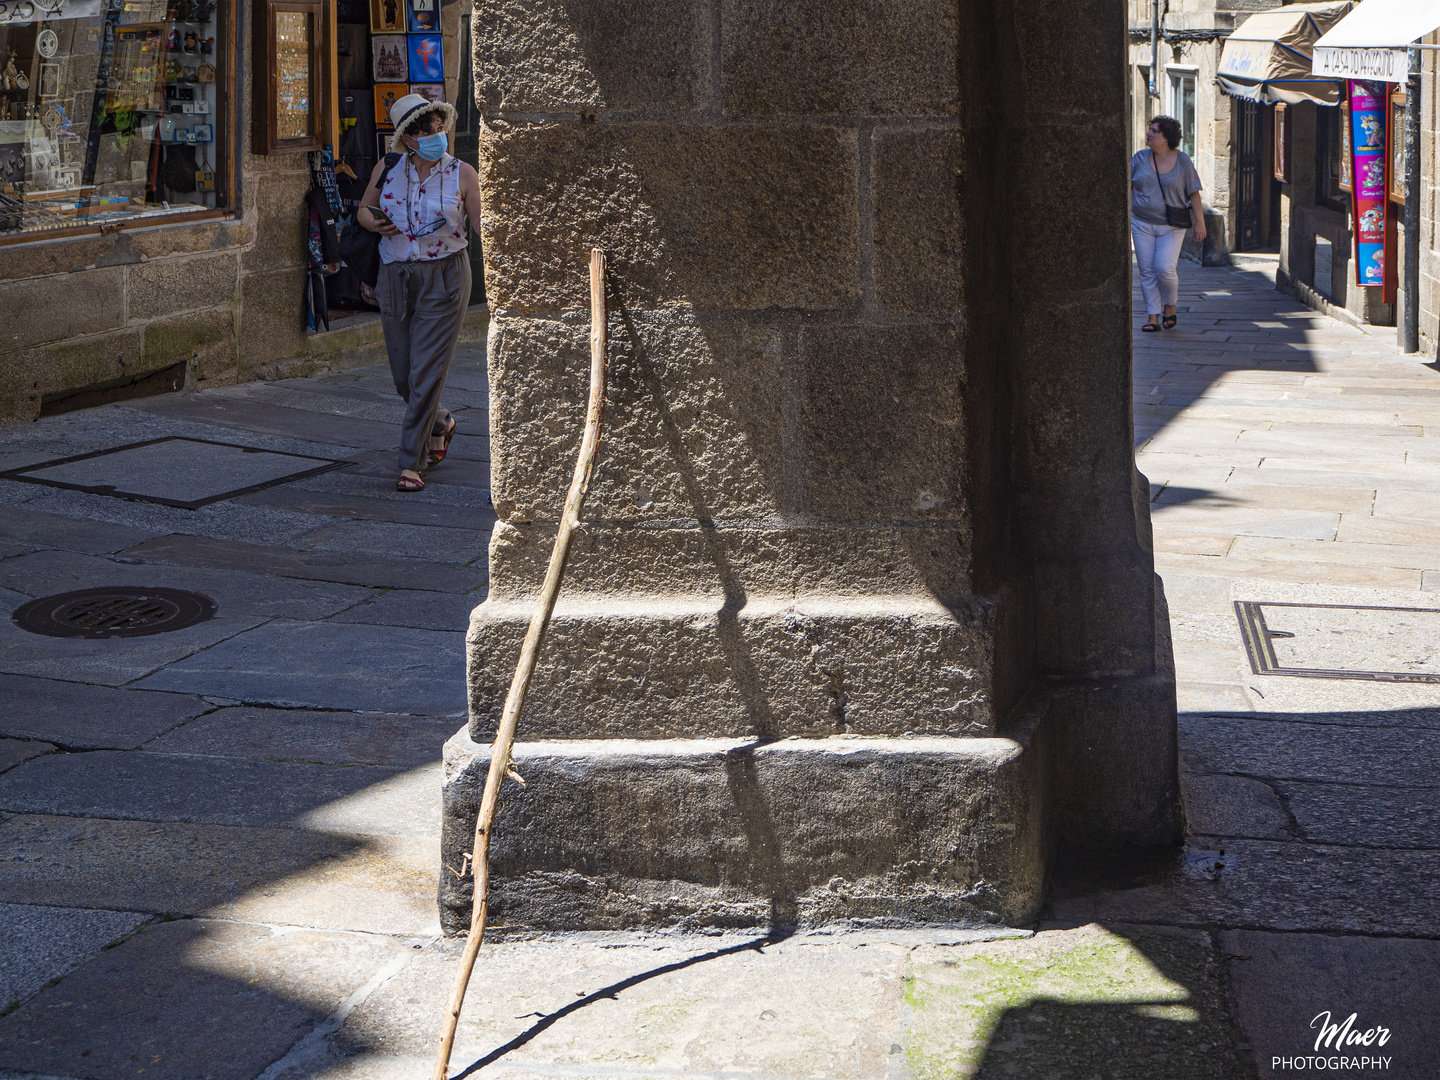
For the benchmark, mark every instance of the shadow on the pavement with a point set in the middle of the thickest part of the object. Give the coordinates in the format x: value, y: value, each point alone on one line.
x: 1308, y: 883
x: 611, y: 991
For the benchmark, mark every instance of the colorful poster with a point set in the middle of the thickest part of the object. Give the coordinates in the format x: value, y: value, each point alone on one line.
x: 421, y: 16
x: 1367, y: 152
x: 427, y: 62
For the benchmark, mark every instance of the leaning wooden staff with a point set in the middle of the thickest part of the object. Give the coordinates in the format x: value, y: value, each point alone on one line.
x: 500, y: 763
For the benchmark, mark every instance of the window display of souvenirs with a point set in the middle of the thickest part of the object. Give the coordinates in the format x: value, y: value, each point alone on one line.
x: 107, y: 112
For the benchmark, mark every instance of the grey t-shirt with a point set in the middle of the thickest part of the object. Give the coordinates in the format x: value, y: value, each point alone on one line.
x: 1146, y: 201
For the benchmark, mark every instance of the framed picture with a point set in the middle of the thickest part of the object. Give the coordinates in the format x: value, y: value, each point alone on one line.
x: 387, y: 16
x: 429, y: 91
x: 386, y: 94
x: 389, y: 61
x: 422, y: 17
x: 382, y: 144
x: 1281, y: 158
x: 1397, y: 146
x: 427, y: 58
x: 49, y: 80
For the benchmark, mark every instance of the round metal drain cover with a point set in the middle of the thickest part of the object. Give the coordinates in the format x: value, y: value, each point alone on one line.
x: 106, y: 613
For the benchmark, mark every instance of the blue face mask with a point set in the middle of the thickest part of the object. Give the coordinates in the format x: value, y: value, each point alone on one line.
x: 432, y: 147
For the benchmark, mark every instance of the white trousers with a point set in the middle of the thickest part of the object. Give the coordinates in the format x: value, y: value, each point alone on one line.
x: 1157, y: 250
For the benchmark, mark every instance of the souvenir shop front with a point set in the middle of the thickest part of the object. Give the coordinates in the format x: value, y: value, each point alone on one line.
x: 155, y: 162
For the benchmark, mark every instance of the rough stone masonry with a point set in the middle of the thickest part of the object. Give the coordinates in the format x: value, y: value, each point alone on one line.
x: 862, y: 626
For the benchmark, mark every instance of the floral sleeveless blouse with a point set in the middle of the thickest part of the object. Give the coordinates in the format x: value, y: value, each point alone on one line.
x: 431, y: 214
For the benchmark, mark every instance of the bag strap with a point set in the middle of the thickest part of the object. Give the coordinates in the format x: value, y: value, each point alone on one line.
x: 1160, y: 183
x: 392, y: 159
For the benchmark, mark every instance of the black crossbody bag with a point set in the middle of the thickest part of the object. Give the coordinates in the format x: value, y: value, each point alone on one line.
x: 359, y: 247
x: 1177, y: 217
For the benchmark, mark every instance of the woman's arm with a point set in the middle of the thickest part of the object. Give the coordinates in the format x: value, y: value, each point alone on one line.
x: 470, y: 193
x: 371, y: 198
x: 1199, y: 213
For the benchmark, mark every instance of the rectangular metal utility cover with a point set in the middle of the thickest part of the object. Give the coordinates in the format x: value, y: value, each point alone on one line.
x: 1339, y: 641
x: 174, y: 471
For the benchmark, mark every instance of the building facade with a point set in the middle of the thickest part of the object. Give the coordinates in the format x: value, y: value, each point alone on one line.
x: 155, y: 157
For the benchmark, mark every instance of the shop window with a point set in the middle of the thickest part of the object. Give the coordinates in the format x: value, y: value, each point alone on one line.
x: 1330, y: 157
x: 1182, y: 106
x: 113, y: 115
x: 290, y: 76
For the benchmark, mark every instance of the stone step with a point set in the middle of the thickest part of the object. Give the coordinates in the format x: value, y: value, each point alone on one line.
x: 651, y: 667
x: 694, y: 833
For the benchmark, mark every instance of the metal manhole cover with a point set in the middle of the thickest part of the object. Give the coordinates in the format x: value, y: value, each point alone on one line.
x: 107, y: 613
x: 1341, y: 641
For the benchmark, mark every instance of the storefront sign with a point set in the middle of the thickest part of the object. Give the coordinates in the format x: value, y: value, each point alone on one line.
x: 30, y: 11
x: 1368, y: 104
x: 1387, y: 65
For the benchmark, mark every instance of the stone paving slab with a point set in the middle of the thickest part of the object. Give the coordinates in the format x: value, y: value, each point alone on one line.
x: 109, y: 661
x: 18, y: 751
x: 53, y: 530
x: 419, y: 543
x: 277, y: 876
x: 328, y: 738
x: 239, y: 592
x: 1373, y: 815
x: 1284, y: 982
x: 192, y: 999
x: 407, y: 607
x: 84, y: 717
x: 329, y: 666
x: 268, y: 419
x: 293, y: 497
x: 315, y: 566
x: 1272, y: 748
x: 856, y: 1005
x: 1281, y: 886
x: 45, y: 943
x: 174, y: 787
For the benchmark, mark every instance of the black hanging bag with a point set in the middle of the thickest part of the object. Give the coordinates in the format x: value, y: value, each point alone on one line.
x: 359, y: 247
x: 1177, y: 217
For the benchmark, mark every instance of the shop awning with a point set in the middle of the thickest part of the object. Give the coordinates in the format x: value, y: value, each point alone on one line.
x: 1370, y: 42
x: 1268, y: 57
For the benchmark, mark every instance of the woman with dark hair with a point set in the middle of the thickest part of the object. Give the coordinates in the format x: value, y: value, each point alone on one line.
x: 423, y: 208
x: 1164, y: 202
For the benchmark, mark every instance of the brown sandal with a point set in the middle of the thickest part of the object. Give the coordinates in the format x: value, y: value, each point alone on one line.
x: 437, y: 456
x: 409, y: 483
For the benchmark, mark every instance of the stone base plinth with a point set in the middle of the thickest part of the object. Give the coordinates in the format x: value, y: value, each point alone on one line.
x: 662, y: 667
x: 695, y: 833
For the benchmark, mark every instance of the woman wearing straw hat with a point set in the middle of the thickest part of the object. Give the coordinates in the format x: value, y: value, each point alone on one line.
x: 420, y: 211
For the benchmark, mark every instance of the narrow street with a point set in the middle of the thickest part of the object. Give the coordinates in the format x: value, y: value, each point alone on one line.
x: 219, y: 845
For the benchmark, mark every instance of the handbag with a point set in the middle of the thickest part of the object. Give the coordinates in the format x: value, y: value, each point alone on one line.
x: 1177, y: 217
x: 359, y: 247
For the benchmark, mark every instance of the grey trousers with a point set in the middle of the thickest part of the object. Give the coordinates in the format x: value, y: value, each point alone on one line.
x: 422, y: 308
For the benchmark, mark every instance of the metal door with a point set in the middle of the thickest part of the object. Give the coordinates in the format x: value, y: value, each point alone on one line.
x: 1248, y: 175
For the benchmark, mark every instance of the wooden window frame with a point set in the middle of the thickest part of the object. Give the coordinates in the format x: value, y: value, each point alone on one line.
x: 1347, y: 168
x: 1280, y: 144
x: 1395, y: 148
x: 264, y: 135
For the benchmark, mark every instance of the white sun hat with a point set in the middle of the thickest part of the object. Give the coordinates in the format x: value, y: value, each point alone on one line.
x: 407, y: 111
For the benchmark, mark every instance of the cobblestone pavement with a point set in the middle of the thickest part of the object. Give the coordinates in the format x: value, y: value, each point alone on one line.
x: 219, y: 846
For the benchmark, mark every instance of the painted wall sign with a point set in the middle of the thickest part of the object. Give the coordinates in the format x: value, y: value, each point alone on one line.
x: 1368, y: 104
x: 1391, y: 65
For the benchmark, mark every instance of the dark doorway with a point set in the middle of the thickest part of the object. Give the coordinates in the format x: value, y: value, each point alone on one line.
x: 1249, y: 161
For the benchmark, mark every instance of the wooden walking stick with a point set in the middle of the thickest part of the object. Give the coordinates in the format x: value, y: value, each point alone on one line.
x: 500, y: 763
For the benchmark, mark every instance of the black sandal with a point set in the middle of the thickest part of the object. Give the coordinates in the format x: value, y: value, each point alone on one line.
x: 1151, y: 328
x: 1168, y: 322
